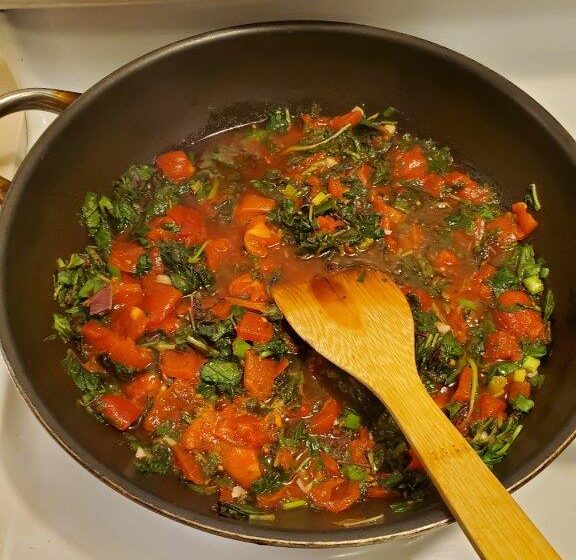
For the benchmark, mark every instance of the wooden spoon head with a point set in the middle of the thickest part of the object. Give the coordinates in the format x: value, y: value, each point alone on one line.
x: 356, y: 318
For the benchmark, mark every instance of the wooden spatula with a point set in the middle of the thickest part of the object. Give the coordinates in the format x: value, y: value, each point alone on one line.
x: 361, y: 322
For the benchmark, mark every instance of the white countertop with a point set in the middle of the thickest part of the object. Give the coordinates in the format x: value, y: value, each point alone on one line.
x: 50, y: 508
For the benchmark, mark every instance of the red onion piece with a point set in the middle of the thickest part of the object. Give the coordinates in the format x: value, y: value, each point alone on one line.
x: 101, y: 301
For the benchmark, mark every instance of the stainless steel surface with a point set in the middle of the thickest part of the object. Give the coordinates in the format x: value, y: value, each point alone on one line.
x: 42, y: 99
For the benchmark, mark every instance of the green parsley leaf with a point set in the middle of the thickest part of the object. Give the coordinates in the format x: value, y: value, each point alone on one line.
x: 89, y: 383
x: 355, y: 472
x: 221, y: 372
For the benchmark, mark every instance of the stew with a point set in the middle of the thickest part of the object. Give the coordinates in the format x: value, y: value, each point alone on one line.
x: 174, y: 339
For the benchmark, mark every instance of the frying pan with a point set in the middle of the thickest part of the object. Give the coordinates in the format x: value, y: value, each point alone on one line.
x: 222, y: 79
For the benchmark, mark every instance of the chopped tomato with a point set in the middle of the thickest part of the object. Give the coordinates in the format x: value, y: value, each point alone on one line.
x: 323, y: 421
x: 181, y: 365
x: 241, y: 464
x: 433, y: 184
x: 352, y: 118
x: 464, y: 389
x: 259, y: 375
x: 284, y: 458
x: 255, y: 328
x: 335, y: 494
x: 243, y: 429
x: 142, y: 388
x: 159, y: 301
x: 126, y: 291
x: 260, y: 237
x: 291, y: 137
x: 175, y: 165
x: 315, y: 184
x: 328, y: 224
x: 514, y: 389
x: 190, y: 222
x: 525, y: 323
x: 119, y: 411
x: 364, y: 173
x: 282, y: 365
x: 162, y: 228
x: 415, y: 463
x: 506, y: 228
x: 330, y: 464
x: 251, y: 205
x: 514, y: 297
x: 412, y: 239
x: 501, y: 345
x: 463, y: 240
x: 253, y: 305
x: 458, y: 325
x: 442, y: 399
x: 286, y: 493
x: 247, y: 287
x: 336, y: 187
x: 301, y: 411
x: 223, y: 308
x: 169, y: 325
x: 477, y: 287
x: 199, y: 435
x: 128, y: 322
x: 469, y: 190
x: 390, y: 216
x: 445, y: 261
x: 526, y: 221
x: 216, y: 252
x: 188, y: 465
x: 171, y: 403
x: 121, y: 350
x: 411, y: 164
x: 315, y: 122
x: 424, y: 298
x: 225, y: 493
x: 381, y: 493
x: 491, y: 407
x: 360, y: 446
x: 124, y: 256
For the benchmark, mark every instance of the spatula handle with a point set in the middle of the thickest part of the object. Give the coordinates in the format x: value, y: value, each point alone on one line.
x: 492, y: 520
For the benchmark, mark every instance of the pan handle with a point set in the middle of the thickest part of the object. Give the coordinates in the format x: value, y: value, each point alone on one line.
x: 52, y: 100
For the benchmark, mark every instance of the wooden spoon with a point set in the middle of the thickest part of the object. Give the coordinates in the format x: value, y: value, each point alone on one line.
x: 361, y: 322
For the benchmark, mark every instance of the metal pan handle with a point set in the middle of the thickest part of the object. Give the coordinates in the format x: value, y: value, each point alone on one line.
x: 52, y: 100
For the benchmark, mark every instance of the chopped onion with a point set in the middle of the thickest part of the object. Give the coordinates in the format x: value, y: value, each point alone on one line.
x: 163, y: 279
x: 304, y: 489
x: 390, y: 128
x: 238, y: 492
x: 101, y: 301
x: 443, y: 328
x: 171, y: 442
x: 140, y: 453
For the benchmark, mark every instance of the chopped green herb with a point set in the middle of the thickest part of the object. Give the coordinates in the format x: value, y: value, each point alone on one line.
x: 221, y: 373
x: 157, y: 459
x: 522, y: 404
x: 350, y: 420
x: 532, y: 197
x: 355, y: 472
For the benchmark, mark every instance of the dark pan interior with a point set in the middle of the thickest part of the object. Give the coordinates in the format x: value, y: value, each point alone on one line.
x: 230, y: 77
